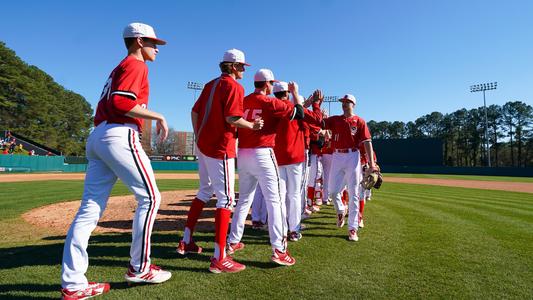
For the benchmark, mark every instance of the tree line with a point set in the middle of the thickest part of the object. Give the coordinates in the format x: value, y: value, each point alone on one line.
x: 34, y: 105
x: 510, y: 134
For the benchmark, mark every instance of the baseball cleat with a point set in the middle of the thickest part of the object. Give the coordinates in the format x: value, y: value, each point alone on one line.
x: 319, y: 202
x: 340, y: 220
x: 191, y: 247
x: 234, y: 247
x: 258, y: 225
x: 361, y: 224
x: 94, y: 289
x: 352, y: 235
x: 283, y: 258
x: 295, y: 236
x: 227, y: 265
x: 314, y: 208
x: 154, y: 275
x: 307, y: 211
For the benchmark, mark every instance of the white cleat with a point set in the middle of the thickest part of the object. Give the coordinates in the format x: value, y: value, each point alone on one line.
x: 154, y: 275
x: 352, y: 235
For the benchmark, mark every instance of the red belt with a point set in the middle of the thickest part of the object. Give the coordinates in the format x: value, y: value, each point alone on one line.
x: 347, y: 150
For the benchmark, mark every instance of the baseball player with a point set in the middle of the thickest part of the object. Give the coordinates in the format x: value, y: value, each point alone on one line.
x: 257, y: 164
x: 348, y: 133
x: 114, y: 151
x: 290, y: 155
x: 327, y: 156
x: 215, y: 116
x: 315, y: 168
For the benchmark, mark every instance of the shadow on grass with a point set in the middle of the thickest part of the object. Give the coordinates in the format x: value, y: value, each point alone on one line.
x: 28, y: 288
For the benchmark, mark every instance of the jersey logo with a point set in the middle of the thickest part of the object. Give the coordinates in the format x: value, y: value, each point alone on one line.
x: 353, y: 129
x: 253, y: 114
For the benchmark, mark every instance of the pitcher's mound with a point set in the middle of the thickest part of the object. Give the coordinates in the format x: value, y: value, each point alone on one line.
x: 119, y: 213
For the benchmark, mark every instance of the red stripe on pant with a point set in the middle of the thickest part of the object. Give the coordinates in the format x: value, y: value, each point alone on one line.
x: 147, y: 232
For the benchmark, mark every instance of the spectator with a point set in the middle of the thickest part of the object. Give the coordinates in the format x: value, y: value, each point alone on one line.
x: 12, y: 146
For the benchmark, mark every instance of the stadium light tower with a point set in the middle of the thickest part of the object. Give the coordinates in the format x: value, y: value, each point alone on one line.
x: 482, y: 88
x: 196, y: 87
x: 330, y: 99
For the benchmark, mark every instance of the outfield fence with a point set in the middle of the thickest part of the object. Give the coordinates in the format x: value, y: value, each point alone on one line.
x: 22, y: 163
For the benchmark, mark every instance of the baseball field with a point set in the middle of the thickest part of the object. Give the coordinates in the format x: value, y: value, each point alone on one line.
x: 420, y: 241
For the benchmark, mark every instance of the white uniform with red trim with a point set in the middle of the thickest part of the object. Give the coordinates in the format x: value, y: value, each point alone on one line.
x: 347, y: 134
x: 257, y: 165
x: 114, y: 151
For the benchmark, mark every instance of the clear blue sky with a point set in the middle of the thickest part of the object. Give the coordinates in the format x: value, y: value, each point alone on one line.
x: 401, y: 59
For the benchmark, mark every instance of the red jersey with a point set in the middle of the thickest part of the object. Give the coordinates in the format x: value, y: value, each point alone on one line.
x: 347, y: 132
x: 126, y: 87
x: 271, y: 110
x: 290, y: 139
x: 217, y: 138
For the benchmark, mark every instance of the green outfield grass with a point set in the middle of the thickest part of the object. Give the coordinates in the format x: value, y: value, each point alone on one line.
x: 461, y: 177
x: 419, y: 242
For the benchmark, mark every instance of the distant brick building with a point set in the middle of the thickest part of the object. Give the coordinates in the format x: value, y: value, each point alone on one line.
x: 185, y: 143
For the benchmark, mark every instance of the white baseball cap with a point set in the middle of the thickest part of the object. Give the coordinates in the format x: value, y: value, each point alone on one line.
x: 235, y: 56
x: 348, y: 97
x: 264, y: 75
x: 134, y: 30
x: 281, y: 86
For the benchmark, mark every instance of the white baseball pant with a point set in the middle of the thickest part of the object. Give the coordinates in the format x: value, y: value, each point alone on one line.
x: 305, y: 178
x: 259, y: 210
x: 258, y: 165
x: 315, y: 173
x: 217, y: 176
x: 113, y: 150
x: 326, y: 170
x: 346, y: 170
x: 291, y: 185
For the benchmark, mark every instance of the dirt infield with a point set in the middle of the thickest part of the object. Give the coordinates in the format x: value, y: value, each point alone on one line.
x: 118, y: 215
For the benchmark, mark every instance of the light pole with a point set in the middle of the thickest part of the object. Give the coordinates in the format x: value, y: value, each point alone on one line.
x: 196, y: 87
x: 482, y: 88
x: 330, y: 99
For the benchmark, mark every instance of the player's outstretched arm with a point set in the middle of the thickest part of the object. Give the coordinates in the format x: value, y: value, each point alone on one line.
x: 161, y: 123
x: 240, y: 122
x: 369, y: 157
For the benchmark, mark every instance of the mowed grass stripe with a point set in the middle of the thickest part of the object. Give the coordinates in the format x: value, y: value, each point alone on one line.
x: 472, y: 209
x: 479, y: 204
x: 422, y: 254
x: 521, y: 200
x: 498, y: 199
x: 462, y: 177
x: 476, y: 246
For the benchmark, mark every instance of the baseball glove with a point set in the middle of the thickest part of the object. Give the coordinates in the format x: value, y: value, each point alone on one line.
x: 372, y: 179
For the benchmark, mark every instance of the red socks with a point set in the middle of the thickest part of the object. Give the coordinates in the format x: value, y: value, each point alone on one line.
x: 194, y: 213
x: 345, y: 197
x: 361, y: 207
x: 222, y: 218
